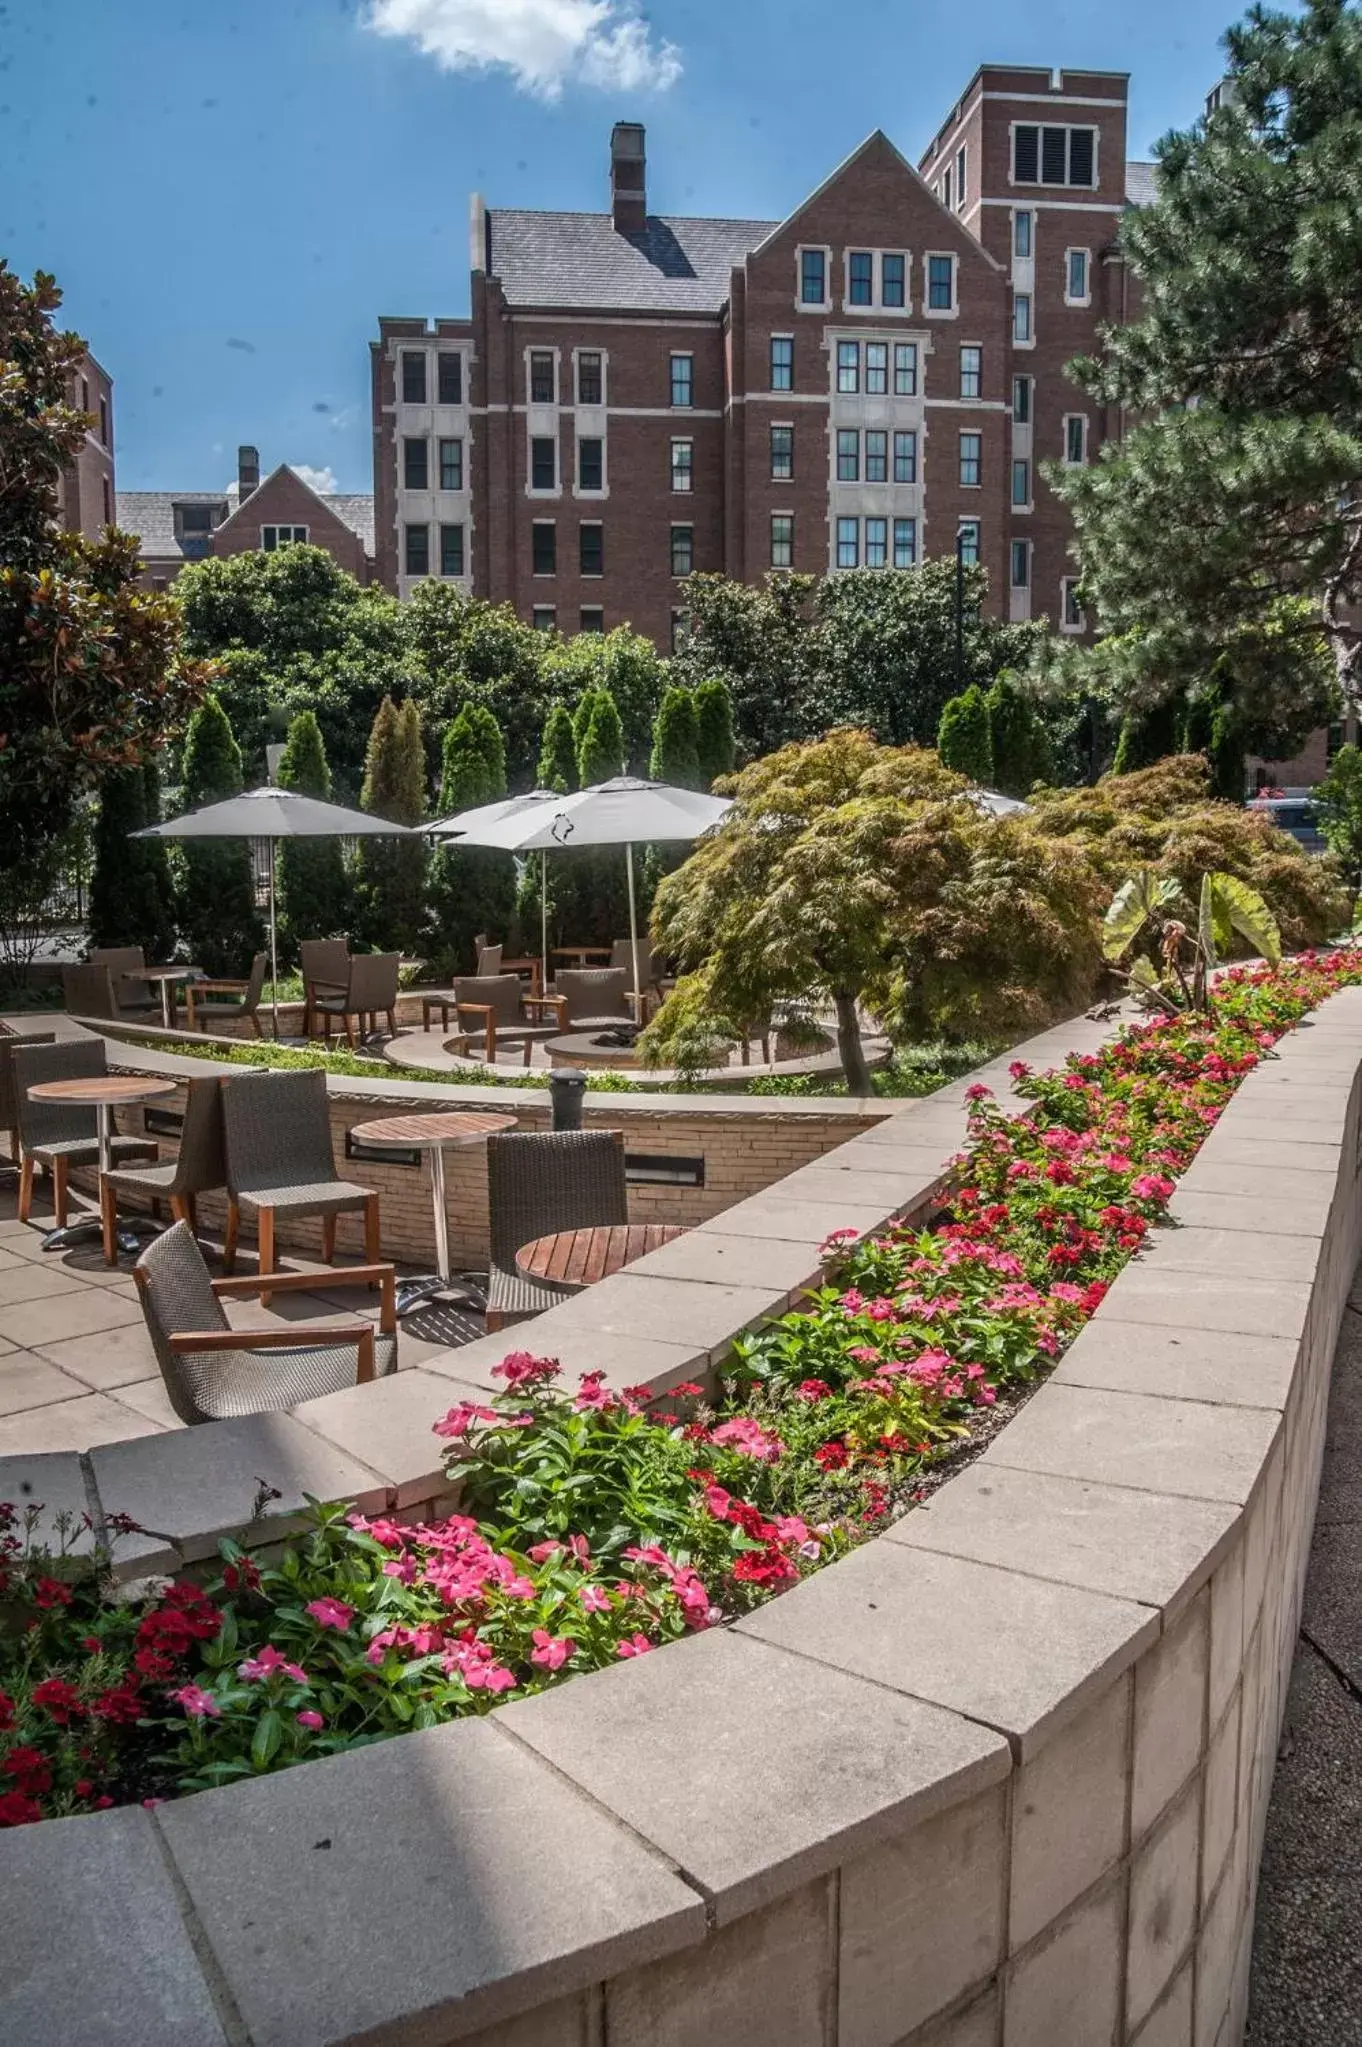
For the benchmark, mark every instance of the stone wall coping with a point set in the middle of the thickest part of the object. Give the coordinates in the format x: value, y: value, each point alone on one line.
x: 433, y: 1886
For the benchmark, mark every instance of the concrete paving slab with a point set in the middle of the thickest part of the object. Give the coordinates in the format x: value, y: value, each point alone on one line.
x: 27, y: 1380
x: 1296, y: 1215
x: 1246, y: 1254
x: 1196, y: 1302
x: 54, y: 1481
x: 83, y: 1424
x: 733, y: 1261
x: 676, y: 1311
x: 799, y: 1222
x: 115, y: 1357
x: 76, y: 1311
x: 1186, y: 1447
x: 1215, y: 1365
x: 625, y: 1360
x: 388, y: 1426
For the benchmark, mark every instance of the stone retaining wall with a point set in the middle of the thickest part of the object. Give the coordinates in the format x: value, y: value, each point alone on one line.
x: 997, y: 1779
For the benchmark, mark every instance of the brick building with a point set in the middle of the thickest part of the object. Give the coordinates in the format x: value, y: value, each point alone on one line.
x: 87, y: 484
x: 634, y: 396
x: 177, y: 526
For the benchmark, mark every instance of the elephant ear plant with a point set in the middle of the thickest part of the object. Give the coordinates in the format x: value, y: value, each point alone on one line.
x: 1175, y: 977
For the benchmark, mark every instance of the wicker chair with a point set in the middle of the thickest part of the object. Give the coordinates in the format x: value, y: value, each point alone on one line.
x: 370, y: 991
x: 213, y: 1372
x: 95, y: 991
x: 59, y: 1135
x: 205, y: 1000
x: 489, y: 961
x: 132, y: 995
x: 200, y: 1167
x: 280, y: 1162
x: 493, y: 1009
x: 595, y: 992
x: 9, y: 1112
x: 325, y: 965
x: 539, y: 1182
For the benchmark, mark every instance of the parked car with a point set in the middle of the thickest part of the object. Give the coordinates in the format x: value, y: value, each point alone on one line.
x: 1293, y: 811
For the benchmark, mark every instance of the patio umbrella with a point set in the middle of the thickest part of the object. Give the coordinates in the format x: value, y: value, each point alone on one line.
x: 624, y: 811
x: 995, y: 805
x: 271, y: 814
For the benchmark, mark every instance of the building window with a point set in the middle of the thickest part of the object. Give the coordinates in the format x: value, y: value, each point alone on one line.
x: 782, y: 454
x: 947, y: 190
x: 960, y: 177
x: 905, y: 369
x: 1021, y: 482
x: 284, y: 536
x: 104, y: 422
x: 1021, y: 316
x: 413, y: 376
x: 451, y: 465
x: 1075, y: 439
x: 848, y: 455
x: 782, y: 362
x: 678, y: 631
x: 682, y: 464
x: 848, y: 365
x: 683, y: 379
x: 971, y: 452
x: 106, y: 499
x: 782, y: 540
x: 967, y: 542
x: 198, y: 518
x: 1022, y: 223
x: 876, y: 459
x: 542, y: 379
x: 543, y: 464
x: 590, y: 383
x: 1021, y: 400
x: 591, y: 464
x: 544, y: 547
x: 905, y: 543
x: 683, y: 550
x: 848, y: 543
x: 451, y: 550
x: 905, y: 458
x: 876, y: 368
x: 971, y: 372
x: 1021, y: 565
x: 415, y: 465
x: 813, y: 277
x: 591, y: 549
x: 1070, y: 610
x: 860, y: 278
x: 1076, y: 277
x: 544, y: 618
x: 876, y: 543
x: 940, y: 284
x: 893, y: 280
x: 591, y: 619
x: 417, y: 552
x: 85, y: 394
x: 1053, y: 156
x: 448, y: 378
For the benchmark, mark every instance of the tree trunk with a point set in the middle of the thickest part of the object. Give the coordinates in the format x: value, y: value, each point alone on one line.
x: 850, y: 1048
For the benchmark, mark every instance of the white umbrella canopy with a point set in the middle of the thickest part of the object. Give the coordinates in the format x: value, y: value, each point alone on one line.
x: 625, y: 811
x: 271, y: 814
x: 995, y: 804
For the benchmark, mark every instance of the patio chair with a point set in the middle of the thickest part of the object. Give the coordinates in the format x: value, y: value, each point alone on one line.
x: 206, y: 1001
x: 9, y: 1114
x: 200, y: 1167
x: 325, y: 964
x: 489, y: 962
x: 370, y: 990
x: 133, y: 996
x: 59, y: 1135
x: 539, y: 1182
x: 652, y: 968
x: 493, y: 1009
x: 94, y: 991
x: 213, y: 1372
x: 594, y: 992
x: 280, y: 1161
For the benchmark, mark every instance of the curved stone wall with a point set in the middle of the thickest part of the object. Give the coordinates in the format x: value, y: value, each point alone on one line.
x: 996, y: 1779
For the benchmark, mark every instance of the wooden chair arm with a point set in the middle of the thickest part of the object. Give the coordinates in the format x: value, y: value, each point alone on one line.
x: 482, y: 1009
x: 193, y: 988
x: 556, y: 1004
x: 382, y: 1276
x: 293, y: 1336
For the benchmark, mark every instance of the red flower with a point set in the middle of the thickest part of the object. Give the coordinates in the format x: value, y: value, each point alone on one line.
x: 29, y: 1768
x: 18, y: 1811
x: 51, y: 1592
x: 831, y: 1456
x: 8, y: 1713
x: 60, y: 1700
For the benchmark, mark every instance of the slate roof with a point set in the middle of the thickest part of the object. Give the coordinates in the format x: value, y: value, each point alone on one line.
x: 675, y: 264
x: 354, y: 509
x: 1141, y: 188
x: 150, y: 514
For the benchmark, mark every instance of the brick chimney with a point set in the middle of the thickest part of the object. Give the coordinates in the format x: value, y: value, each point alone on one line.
x: 247, y: 472
x: 628, y: 178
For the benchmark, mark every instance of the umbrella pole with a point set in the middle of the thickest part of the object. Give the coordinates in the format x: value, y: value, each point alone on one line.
x: 274, y: 944
x: 633, y: 933
x: 543, y: 923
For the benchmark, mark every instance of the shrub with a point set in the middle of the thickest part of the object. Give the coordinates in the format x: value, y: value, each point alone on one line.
x: 676, y: 734
x: 132, y: 898
x: 715, y: 745
x: 558, y: 753
x: 314, y: 893
x: 1021, y: 752
x: 218, y: 916
x: 964, y: 740
x: 390, y: 884
x: 471, y: 889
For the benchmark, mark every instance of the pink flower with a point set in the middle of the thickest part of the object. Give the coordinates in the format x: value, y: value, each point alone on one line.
x: 1019, y: 1069
x: 310, y: 1719
x: 522, y: 1368
x: 269, y: 1663
x: 594, y: 1599
x: 542, y: 1551
x: 551, y: 1652
x: 592, y: 1393
x: 633, y: 1645
x: 332, y: 1613
x: 198, y: 1704
x: 881, y: 1310
x: 749, y: 1439
x: 978, y: 1092
x: 1151, y: 1187
x: 718, y: 1501
x: 817, y: 1389
x: 460, y: 1419
x: 863, y: 1355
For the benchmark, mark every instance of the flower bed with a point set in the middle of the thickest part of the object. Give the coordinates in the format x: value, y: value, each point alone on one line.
x: 599, y: 1526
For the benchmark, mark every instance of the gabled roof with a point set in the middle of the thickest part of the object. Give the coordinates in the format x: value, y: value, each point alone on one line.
x: 675, y: 264
x: 150, y: 514
x: 878, y: 140
x: 1141, y: 184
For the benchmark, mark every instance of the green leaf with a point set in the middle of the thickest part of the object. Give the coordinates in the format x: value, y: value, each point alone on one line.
x: 1132, y: 906
x: 269, y: 1732
x: 1248, y: 913
x: 1206, y: 923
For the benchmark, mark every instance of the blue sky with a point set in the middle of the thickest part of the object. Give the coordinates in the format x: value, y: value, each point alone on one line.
x: 231, y: 194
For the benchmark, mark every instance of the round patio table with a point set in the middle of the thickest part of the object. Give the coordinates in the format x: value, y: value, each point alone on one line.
x: 574, y: 1259
x: 165, y: 976
x: 102, y: 1092
x: 585, y: 1048
x: 435, y: 1134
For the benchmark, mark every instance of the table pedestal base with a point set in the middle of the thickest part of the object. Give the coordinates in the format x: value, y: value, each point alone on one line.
x: 460, y: 1287
x: 129, y: 1235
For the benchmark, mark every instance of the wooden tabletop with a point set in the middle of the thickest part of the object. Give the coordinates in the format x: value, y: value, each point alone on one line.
x: 454, y: 1126
x: 583, y: 952
x: 164, y: 973
x: 578, y: 1258
x: 108, y: 1090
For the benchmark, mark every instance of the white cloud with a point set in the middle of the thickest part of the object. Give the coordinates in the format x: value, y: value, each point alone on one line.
x: 323, y: 481
x: 544, y: 44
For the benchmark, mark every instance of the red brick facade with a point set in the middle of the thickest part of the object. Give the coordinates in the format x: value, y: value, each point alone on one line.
x: 283, y: 505
x: 87, y: 486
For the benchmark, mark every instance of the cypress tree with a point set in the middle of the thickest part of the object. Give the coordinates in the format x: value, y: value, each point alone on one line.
x: 1019, y: 745
x: 131, y: 902
x: 314, y: 894
x: 218, y: 914
x: 558, y: 752
x: 472, y: 889
x: 1228, y: 757
x: 1198, y: 727
x: 156, y: 854
x: 1147, y: 737
x: 391, y: 882
x: 600, y: 747
x: 715, y: 745
x: 964, y: 741
x: 675, y: 757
